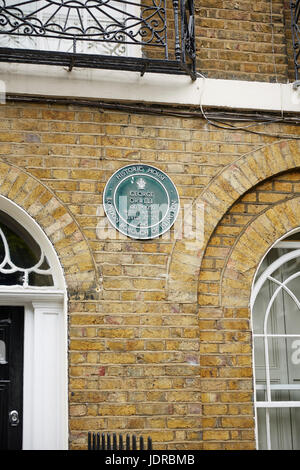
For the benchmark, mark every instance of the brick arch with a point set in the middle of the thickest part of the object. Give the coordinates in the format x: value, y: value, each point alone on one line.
x: 223, y: 191
x: 58, y: 224
x: 224, y: 310
x: 251, y: 247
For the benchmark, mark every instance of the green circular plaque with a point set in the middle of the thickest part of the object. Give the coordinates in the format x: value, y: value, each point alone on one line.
x: 141, y: 201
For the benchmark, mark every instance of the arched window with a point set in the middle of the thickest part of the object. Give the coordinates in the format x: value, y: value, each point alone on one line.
x: 275, y: 306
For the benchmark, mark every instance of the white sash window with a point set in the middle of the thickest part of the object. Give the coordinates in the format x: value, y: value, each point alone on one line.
x: 275, y: 305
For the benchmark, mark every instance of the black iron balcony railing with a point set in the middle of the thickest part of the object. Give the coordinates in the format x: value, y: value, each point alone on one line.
x: 135, y: 35
x: 295, y: 21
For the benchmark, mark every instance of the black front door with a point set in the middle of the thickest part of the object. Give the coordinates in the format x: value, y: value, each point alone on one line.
x: 11, y: 377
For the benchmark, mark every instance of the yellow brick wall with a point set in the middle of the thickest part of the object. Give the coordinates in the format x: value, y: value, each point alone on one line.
x: 141, y: 357
x: 238, y: 40
x: 244, y: 40
x: 226, y: 355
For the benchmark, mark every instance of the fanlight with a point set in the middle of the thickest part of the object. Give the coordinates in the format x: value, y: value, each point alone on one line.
x: 22, y: 261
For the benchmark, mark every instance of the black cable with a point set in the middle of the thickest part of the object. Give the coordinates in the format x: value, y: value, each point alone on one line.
x: 214, y: 118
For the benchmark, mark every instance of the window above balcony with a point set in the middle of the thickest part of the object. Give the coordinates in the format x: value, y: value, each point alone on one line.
x: 134, y: 35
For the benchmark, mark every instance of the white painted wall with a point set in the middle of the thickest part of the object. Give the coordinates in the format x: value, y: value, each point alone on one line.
x: 57, y: 81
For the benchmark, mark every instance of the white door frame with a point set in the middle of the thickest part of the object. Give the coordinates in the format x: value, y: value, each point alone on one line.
x: 45, y: 381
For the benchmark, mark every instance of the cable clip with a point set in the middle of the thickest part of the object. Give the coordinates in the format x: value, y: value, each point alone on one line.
x: 296, y: 84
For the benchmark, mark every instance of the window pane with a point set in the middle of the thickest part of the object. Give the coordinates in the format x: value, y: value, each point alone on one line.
x: 260, y: 369
x: 2, y: 250
x: 291, y: 307
x: 36, y: 279
x: 284, y: 426
x: 2, y: 352
x: 12, y: 279
x: 22, y: 253
x: 261, y: 305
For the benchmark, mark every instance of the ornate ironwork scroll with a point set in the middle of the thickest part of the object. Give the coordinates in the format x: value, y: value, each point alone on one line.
x: 295, y: 13
x: 86, y: 20
x: 188, y: 34
x: 66, y: 31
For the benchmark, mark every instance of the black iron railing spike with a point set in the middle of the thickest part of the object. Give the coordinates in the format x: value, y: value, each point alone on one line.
x: 127, y: 442
x: 121, y: 445
x: 106, y: 441
x: 133, y: 442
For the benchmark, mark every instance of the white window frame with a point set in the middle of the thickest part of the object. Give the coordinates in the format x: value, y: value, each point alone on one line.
x: 267, y: 274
